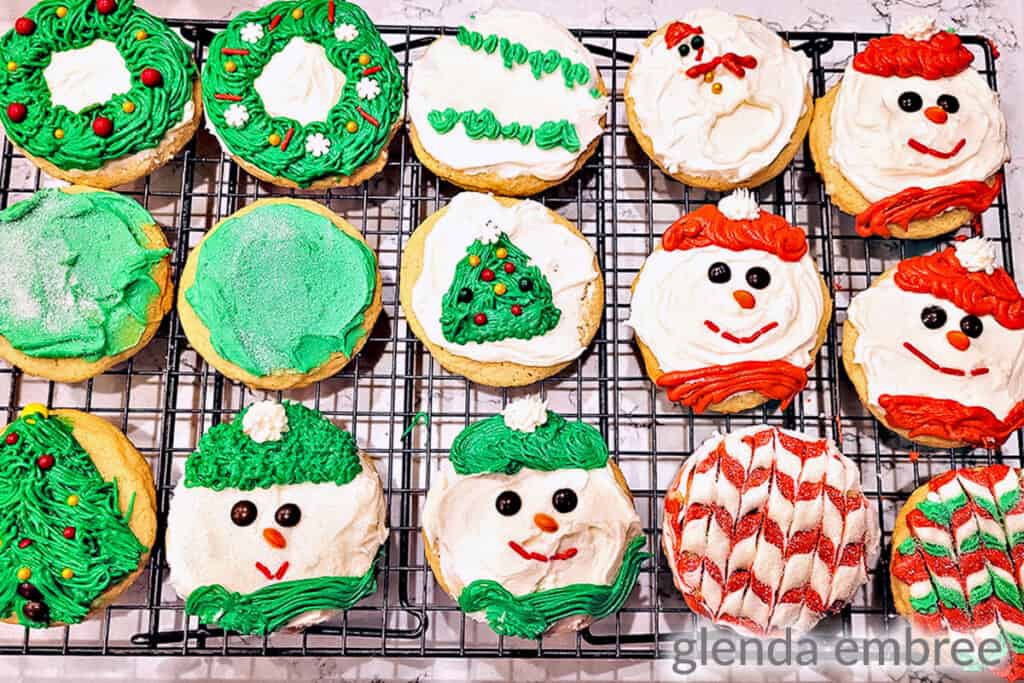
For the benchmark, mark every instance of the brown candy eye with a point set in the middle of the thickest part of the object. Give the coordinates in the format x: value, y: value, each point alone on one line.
x: 243, y: 513
x: 972, y: 326
x: 288, y: 514
x: 508, y: 503
x: 564, y: 500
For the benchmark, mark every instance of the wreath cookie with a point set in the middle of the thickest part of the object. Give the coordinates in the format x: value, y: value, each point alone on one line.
x: 730, y: 310
x: 935, y: 348
x: 911, y: 139
x: 85, y: 284
x: 97, y: 92
x: 511, y: 104
x: 533, y: 528
x: 277, y: 522
x: 304, y: 94
x: 78, y: 517
x: 280, y: 295
x: 767, y: 530
x: 719, y: 101
x: 502, y: 291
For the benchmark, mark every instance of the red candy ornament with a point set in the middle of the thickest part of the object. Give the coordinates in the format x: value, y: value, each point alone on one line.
x: 487, y: 275
x: 102, y: 126
x: 480, y: 319
x: 105, y: 6
x: 16, y: 112
x: 517, y: 309
x: 45, y: 461
x: 509, y: 267
x: 151, y: 78
x: 11, y: 439
x: 69, y: 532
x: 24, y: 26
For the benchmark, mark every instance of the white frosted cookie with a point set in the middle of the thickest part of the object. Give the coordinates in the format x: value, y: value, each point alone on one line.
x: 512, y: 104
x: 718, y: 101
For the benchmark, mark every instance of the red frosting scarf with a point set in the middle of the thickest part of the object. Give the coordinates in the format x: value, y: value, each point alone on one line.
x: 699, y: 388
x: 947, y: 419
x: 915, y: 203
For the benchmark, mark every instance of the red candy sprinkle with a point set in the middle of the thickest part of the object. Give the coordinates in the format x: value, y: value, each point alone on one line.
x: 102, y: 126
x: 25, y: 26
x: 509, y: 267
x: 151, y: 78
x: 16, y: 111
x: 45, y: 461
x: 25, y: 542
x: 12, y: 438
x: 69, y: 532
x: 487, y: 275
x: 105, y: 6
x: 517, y: 309
x: 480, y: 319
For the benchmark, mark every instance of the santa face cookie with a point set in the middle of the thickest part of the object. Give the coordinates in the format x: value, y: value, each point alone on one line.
x: 912, y: 137
x: 718, y: 101
x: 533, y: 529
x: 97, y: 92
x: 935, y: 348
x: 504, y: 292
x: 955, y: 568
x: 512, y: 104
x: 276, y: 523
x: 767, y: 530
x: 730, y: 311
x: 78, y: 518
x: 304, y: 93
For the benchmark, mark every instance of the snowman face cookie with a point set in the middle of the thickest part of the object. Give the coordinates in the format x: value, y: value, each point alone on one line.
x: 524, y: 513
x: 940, y: 341
x: 249, y: 526
x: 732, y: 285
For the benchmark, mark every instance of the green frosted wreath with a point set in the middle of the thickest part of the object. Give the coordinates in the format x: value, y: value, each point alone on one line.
x: 158, y: 61
x: 357, y: 127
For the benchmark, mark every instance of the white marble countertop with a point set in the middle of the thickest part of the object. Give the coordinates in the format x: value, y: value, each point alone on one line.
x: 1001, y: 20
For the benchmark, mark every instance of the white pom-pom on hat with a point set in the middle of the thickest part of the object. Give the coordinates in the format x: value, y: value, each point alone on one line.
x: 265, y: 421
x: 977, y: 254
x: 739, y: 206
x: 919, y: 28
x: 526, y: 414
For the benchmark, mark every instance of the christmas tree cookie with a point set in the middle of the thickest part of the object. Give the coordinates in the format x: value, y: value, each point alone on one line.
x: 911, y: 139
x: 532, y: 529
x: 85, y: 283
x: 280, y: 295
x: 304, y: 93
x: 78, y: 517
x: 512, y: 104
x: 730, y: 310
x: 767, y: 530
x: 955, y: 568
x: 719, y: 101
x: 277, y: 522
x: 502, y: 291
x: 97, y: 92
x: 935, y: 348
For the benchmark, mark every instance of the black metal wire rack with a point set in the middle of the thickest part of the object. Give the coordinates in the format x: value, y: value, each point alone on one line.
x: 167, y: 396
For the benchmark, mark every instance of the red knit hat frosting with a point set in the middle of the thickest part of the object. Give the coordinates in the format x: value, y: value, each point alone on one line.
x: 941, y: 56
x: 708, y: 226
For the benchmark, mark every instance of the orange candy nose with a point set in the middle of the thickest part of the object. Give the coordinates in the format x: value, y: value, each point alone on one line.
x: 274, y: 538
x: 744, y: 298
x: 545, y: 522
x: 958, y: 340
x: 936, y: 115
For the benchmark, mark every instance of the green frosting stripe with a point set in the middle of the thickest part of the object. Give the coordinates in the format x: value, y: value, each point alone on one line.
x: 490, y: 446
x: 313, y: 450
x: 272, y: 607
x: 156, y: 109
x: 281, y: 288
x: 77, y: 280
x: 484, y: 124
x: 348, y: 150
x: 529, y: 616
x: 35, y: 514
x: 542, y: 62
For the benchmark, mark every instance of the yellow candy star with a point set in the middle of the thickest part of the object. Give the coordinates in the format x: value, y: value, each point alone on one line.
x: 12, y: 65
x: 230, y: 67
x: 364, y: 59
x: 351, y: 126
x: 34, y: 408
x: 474, y: 260
x: 274, y: 139
x: 59, y: 133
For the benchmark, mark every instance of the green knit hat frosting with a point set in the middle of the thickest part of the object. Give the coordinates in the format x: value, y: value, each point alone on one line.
x: 310, y: 450
x: 493, y: 446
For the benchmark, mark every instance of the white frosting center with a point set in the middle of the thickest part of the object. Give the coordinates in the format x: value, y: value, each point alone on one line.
x: 300, y: 83
x: 86, y: 76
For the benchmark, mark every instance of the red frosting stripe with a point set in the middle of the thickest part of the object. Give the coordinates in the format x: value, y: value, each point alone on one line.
x: 950, y: 420
x: 699, y: 388
x: 941, y: 56
x: 915, y: 203
x: 707, y: 226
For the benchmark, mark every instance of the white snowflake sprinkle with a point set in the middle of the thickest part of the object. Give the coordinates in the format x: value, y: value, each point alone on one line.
x: 236, y: 115
x: 367, y: 88
x: 317, y: 144
x: 252, y: 32
x: 346, y: 32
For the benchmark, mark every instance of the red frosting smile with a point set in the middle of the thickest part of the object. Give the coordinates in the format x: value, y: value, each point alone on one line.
x: 272, y: 576
x: 925, y: 149
x: 528, y: 555
x: 938, y: 368
x: 729, y: 336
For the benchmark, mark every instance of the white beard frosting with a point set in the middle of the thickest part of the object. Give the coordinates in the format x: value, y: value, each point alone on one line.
x: 472, y: 538
x: 886, y: 317
x: 731, y: 135
x: 565, y: 259
x: 449, y: 75
x: 339, y: 534
x: 674, y: 297
x: 870, y: 133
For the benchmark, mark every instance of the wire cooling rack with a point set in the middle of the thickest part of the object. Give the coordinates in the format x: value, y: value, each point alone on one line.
x: 166, y: 397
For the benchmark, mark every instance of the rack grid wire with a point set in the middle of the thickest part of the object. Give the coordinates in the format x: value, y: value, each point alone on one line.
x: 166, y: 397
